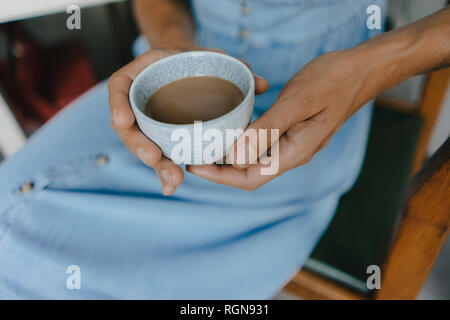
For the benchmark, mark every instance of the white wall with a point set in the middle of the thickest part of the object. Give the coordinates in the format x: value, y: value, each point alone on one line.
x: 23, y: 9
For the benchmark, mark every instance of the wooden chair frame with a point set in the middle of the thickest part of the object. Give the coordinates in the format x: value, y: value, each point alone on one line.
x: 425, y: 216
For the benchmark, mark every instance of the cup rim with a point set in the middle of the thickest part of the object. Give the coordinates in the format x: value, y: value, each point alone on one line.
x: 243, y: 103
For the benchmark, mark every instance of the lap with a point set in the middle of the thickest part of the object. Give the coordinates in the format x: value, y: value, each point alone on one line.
x: 95, y: 206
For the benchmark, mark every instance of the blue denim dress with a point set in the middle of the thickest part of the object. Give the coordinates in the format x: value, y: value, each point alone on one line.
x: 75, y: 196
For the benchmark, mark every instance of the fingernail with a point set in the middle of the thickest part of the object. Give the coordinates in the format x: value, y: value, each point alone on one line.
x: 240, y: 158
x: 166, y: 190
x: 142, y: 155
x: 166, y: 176
x: 191, y: 169
x: 252, y: 157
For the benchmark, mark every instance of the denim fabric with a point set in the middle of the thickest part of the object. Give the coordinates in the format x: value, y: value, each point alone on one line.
x: 95, y: 206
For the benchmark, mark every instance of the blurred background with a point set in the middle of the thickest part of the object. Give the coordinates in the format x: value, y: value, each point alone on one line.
x: 43, y: 67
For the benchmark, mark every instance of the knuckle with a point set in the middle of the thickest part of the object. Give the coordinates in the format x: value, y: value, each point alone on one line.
x: 125, y: 138
x: 112, y: 80
x: 265, y: 124
x: 153, y: 157
x: 113, y: 124
x: 325, y: 144
x: 306, y: 159
x: 249, y: 187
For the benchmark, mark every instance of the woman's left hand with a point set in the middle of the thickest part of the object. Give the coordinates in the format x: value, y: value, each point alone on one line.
x: 309, y: 111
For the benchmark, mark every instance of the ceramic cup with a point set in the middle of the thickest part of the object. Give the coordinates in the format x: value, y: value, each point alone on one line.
x: 193, y: 139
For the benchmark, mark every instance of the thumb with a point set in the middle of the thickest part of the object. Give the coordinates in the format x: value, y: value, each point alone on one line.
x: 259, y: 136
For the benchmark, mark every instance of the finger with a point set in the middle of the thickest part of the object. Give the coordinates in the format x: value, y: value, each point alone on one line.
x: 119, y: 85
x: 140, y: 145
x: 248, y: 179
x: 122, y: 116
x: 170, y: 175
x: 222, y: 174
x: 296, y: 148
x: 290, y: 108
x: 308, y: 137
x: 260, y: 135
x: 261, y: 84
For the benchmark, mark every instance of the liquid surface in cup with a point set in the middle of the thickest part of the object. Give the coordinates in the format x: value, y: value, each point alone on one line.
x: 200, y: 98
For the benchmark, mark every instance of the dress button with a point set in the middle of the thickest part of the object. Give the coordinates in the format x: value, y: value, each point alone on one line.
x: 244, y: 34
x: 102, y: 160
x: 244, y: 8
x: 26, y: 187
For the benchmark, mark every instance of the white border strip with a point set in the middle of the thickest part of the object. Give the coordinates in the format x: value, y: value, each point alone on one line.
x: 23, y: 9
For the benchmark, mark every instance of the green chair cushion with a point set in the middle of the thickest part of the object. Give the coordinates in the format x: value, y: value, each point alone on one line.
x: 362, y: 228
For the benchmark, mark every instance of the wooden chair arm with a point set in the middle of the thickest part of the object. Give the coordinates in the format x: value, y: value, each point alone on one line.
x: 308, y: 285
x: 422, y: 231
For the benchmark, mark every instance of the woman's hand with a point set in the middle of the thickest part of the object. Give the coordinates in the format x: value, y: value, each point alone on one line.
x: 124, y: 122
x: 311, y: 108
x: 326, y: 92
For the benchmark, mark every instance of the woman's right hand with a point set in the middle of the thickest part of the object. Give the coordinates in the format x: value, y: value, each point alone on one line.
x: 124, y: 122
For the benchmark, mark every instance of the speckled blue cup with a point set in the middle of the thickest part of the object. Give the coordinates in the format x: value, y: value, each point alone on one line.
x: 192, y: 64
